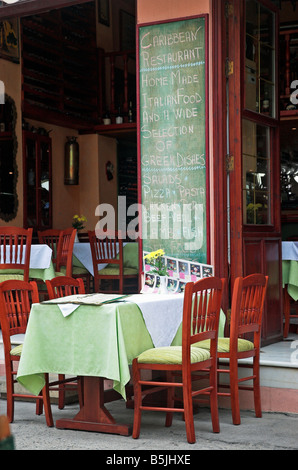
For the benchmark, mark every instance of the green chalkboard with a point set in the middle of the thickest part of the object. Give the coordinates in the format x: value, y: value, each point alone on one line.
x: 173, y: 137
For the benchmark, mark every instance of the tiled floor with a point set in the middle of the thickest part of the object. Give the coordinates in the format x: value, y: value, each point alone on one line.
x: 283, y: 354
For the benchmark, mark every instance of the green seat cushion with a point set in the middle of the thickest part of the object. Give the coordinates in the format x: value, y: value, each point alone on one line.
x: 60, y: 273
x: 224, y: 345
x: 78, y: 270
x: 111, y: 270
x: 172, y: 355
x: 17, y: 350
x: 7, y: 277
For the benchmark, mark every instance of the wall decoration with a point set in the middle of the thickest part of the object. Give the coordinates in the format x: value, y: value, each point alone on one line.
x: 9, y: 40
x: 103, y: 7
x: 179, y: 273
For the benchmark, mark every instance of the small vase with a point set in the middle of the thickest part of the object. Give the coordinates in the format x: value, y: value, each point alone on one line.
x: 77, y: 238
x: 163, y: 285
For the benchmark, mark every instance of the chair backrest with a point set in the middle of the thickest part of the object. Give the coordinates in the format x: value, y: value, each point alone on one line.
x: 106, y: 247
x: 16, y: 298
x: 201, y: 311
x: 51, y: 238
x: 247, y: 307
x: 61, y: 286
x: 65, y: 250
x: 15, y: 249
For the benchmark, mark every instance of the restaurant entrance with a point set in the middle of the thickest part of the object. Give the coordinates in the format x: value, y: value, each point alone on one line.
x: 253, y: 170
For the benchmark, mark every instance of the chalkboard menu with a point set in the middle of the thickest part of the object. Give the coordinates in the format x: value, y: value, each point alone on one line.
x: 173, y: 137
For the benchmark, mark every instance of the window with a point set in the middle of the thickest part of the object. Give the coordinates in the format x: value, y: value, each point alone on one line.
x: 260, y: 59
x: 256, y: 173
x: 259, y: 113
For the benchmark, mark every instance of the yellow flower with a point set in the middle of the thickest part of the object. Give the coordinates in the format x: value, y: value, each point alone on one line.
x: 79, y: 221
x: 155, y: 259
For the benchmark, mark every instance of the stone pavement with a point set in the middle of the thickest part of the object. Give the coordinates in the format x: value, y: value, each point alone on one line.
x: 274, y: 431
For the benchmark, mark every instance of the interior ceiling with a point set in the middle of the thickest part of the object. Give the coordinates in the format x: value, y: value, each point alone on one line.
x: 30, y: 7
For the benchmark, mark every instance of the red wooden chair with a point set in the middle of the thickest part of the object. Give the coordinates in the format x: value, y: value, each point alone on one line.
x: 246, y: 318
x: 60, y: 287
x: 16, y: 297
x: 51, y: 238
x: 15, y: 249
x: 64, y: 263
x: 201, y: 310
x: 65, y: 251
x: 63, y: 285
x: 107, y: 248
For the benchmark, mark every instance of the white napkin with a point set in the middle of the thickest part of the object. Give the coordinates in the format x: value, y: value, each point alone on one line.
x: 67, y: 309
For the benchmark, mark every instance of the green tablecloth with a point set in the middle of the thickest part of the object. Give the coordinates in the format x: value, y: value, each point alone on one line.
x: 43, y: 274
x: 290, y: 277
x: 92, y: 341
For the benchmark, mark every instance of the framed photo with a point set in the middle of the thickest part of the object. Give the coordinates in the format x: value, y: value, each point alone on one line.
x: 127, y: 31
x: 9, y: 43
x: 103, y: 7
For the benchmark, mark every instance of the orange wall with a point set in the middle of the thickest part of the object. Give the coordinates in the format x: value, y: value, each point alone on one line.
x: 155, y: 10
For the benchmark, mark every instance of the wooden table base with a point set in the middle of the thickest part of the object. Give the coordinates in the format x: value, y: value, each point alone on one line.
x: 93, y: 416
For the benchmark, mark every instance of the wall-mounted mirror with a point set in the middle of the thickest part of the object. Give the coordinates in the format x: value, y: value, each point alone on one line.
x: 8, y: 164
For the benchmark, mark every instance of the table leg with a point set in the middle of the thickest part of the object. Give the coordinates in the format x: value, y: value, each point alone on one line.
x: 93, y: 416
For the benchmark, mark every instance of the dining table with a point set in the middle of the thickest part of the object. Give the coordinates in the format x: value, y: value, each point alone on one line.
x: 40, y: 264
x: 82, y: 256
x: 289, y: 278
x: 290, y: 268
x: 96, y: 336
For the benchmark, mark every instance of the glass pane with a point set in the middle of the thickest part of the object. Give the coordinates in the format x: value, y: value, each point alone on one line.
x: 256, y: 173
x: 260, y: 59
x: 31, y: 183
x: 44, y: 185
x: 7, y: 176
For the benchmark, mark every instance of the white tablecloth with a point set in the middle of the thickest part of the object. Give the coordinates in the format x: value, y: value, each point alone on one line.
x: 290, y: 251
x: 82, y: 251
x: 162, y: 314
x: 40, y: 256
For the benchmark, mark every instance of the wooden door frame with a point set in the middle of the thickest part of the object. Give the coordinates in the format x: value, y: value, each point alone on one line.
x: 266, y: 256
x: 219, y: 142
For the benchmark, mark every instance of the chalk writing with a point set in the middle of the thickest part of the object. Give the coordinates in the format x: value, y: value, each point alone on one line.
x: 173, y: 119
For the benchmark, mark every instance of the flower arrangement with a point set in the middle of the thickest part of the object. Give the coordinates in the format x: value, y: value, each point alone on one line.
x: 79, y: 222
x: 155, y: 259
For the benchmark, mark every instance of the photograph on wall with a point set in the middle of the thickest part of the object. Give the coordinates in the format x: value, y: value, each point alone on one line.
x: 179, y: 272
x: 9, y: 40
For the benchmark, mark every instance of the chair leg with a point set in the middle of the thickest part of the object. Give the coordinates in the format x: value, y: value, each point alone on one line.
x: 170, y: 399
x: 39, y: 407
x: 47, y: 403
x: 214, y: 401
x: 234, y: 391
x: 95, y: 284
x: 137, y: 400
x: 256, y: 386
x: 9, y: 393
x: 188, y: 409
